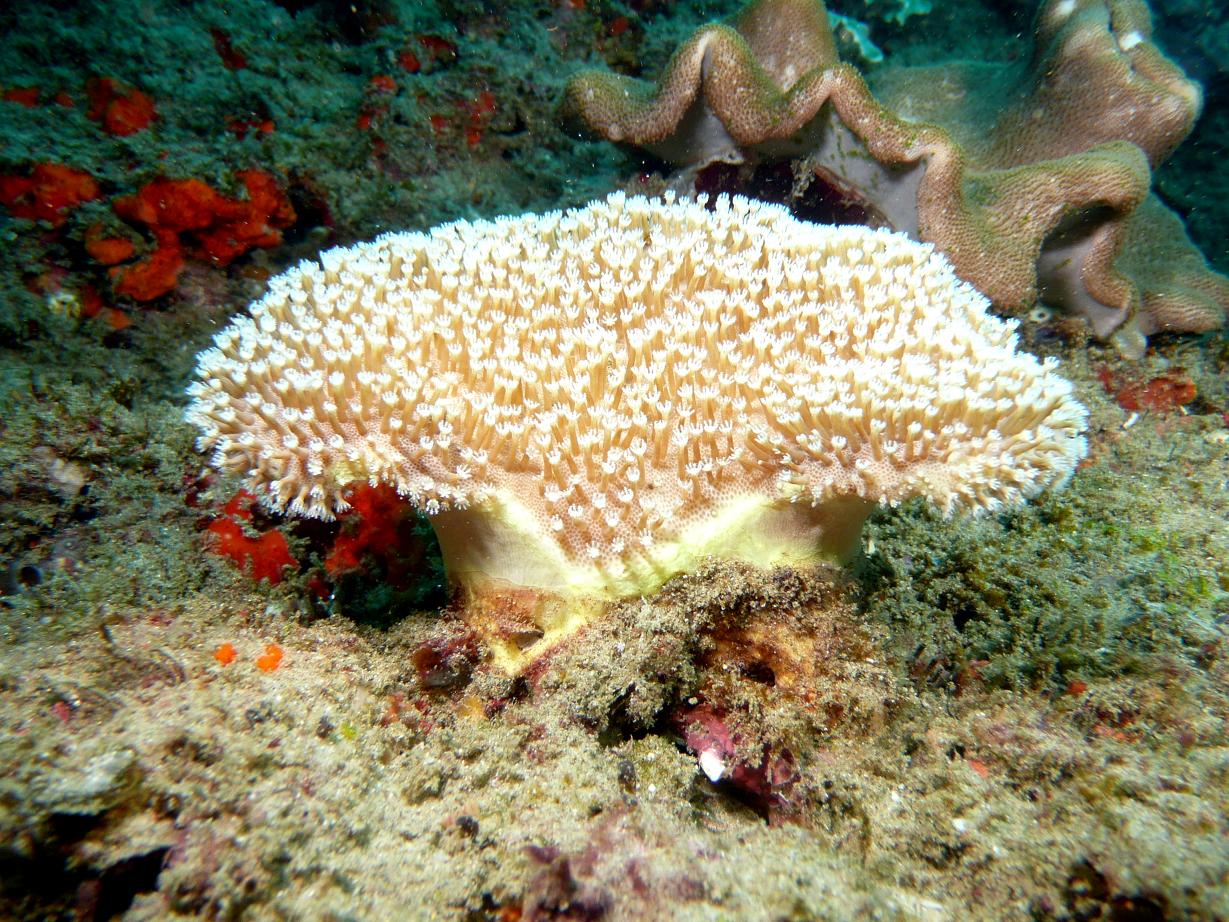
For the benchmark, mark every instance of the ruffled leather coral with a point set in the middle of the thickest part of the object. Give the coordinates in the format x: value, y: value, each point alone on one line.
x: 1033, y: 178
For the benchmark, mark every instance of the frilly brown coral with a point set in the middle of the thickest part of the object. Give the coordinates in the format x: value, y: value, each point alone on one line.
x: 1033, y: 179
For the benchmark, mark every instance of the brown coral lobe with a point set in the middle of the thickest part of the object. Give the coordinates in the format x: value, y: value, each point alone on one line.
x: 1033, y: 178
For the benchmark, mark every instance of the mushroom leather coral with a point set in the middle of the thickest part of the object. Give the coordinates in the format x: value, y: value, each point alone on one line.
x: 585, y: 403
x: 1031, y: 177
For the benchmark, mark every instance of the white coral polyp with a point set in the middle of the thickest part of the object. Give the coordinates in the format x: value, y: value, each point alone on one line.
x: 591, y: 400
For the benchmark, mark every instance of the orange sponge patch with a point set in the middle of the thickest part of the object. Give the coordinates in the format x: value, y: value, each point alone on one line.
x: 121, y: 110
x: 107, y: 250
x: 50, y: 191
x: 153, y: 276
x: 267, y: 552
x: 270, y: 659
x: 185, y: 214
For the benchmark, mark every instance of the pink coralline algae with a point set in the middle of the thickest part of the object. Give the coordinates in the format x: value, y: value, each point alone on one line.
x: 764, y: 783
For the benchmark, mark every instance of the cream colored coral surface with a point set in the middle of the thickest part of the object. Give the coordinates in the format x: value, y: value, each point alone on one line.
x: 592, y: 400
